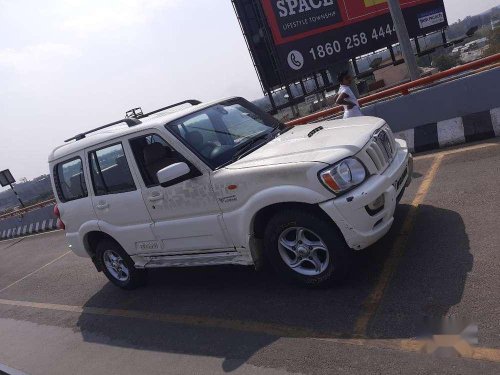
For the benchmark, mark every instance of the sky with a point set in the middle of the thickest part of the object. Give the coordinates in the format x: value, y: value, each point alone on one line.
x: 71, y: 65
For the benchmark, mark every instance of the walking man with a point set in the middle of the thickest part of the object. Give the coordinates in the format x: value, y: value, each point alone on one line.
x: 346, y: 97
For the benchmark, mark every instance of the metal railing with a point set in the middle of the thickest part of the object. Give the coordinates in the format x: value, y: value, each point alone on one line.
x: 27, y: 209
x: 405, y: 88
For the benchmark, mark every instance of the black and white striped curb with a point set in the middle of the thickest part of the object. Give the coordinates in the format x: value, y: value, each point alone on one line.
x: 27, y: 229
x: 468, y: 128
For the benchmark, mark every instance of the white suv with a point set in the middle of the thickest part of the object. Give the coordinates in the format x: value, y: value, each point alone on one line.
x: 226, y: 183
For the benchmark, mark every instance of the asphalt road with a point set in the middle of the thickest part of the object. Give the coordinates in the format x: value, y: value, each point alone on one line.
x: 441, y: 259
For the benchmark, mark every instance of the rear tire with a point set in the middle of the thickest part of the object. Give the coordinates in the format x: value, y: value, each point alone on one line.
x: 118, y: 266
x: 306, y: 248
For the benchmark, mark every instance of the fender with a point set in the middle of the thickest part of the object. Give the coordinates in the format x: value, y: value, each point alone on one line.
x: 240, y: 221
x: 76, y: 240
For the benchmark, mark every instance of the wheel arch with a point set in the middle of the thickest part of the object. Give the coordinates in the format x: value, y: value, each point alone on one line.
x: 262, y: 217
x: 90, y: 241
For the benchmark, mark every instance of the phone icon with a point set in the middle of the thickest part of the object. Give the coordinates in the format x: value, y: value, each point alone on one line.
x: 295, y: 60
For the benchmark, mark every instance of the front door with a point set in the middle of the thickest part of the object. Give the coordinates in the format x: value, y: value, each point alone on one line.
x: 186, y: 216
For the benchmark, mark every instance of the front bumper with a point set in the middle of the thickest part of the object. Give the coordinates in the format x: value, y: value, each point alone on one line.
x: 360, y: 229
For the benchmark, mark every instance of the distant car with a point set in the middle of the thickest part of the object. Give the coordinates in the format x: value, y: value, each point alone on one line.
x: 225, y: 183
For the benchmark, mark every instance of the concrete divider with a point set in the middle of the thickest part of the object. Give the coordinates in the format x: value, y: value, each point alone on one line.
x: 469, y: 128
x: 36, y: 221
x: 464, y: 110
x: 470, y: 98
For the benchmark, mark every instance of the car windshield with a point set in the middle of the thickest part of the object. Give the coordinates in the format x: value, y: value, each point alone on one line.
x: 218, y: 134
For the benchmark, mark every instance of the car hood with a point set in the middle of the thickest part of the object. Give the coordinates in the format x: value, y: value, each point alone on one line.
x: 337, y: 140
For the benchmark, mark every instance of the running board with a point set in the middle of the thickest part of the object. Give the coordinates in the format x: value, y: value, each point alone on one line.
x: 191, y: 260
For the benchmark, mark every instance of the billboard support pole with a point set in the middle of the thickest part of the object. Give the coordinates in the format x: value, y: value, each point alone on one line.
x: 393, y: 56
x: 352, y: 73
x: 404, y: 39
x: 443, y: 35
x: 355, y: 66
x: 271, y: 100
x: 295, y: 110
x: 318, y: 87
x: 304, y: 91
x: 417, y: 46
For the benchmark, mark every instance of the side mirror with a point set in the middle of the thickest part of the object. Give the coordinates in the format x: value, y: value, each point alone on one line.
x: 173, y: 174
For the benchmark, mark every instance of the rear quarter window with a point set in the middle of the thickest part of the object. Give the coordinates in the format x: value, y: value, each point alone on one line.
x: 70, y: 180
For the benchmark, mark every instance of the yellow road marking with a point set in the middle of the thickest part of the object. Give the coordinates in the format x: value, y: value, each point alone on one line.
x: 372, y: 302
x: 35, y: 271
x: 190, y: 320
x: 403, y: 345
x: 457, y: 151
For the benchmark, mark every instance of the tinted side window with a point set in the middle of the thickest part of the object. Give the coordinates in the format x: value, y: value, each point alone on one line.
x: 152, y: 153
x: 110, y: 171
x: 70, y: 181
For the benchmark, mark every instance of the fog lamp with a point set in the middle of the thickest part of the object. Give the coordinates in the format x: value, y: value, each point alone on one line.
x: 376, y: 206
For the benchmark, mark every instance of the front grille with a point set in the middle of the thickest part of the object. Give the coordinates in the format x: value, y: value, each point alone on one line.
x: 382, y: 148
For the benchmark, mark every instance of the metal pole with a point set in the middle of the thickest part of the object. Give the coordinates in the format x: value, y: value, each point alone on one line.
x: 17, y: 196
x: 404, y: 38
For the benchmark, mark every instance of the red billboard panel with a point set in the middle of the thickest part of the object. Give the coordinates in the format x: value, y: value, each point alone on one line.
x: 292, y: 20
x: 307, y: 36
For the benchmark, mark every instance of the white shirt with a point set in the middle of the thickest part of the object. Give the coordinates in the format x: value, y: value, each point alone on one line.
x: 354, y: 111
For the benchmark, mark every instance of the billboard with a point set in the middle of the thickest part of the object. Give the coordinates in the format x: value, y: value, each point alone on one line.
x: 306, y: 36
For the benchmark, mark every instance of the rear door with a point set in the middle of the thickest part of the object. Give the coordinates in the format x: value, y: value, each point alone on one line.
x: 117, y: 198
x: 186, y: 216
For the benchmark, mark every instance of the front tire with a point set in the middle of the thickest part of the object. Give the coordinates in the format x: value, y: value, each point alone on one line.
x: 306, y: 248
x: 118, y: 266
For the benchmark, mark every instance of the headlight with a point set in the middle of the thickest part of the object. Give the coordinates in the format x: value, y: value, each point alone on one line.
x: 343, y: 176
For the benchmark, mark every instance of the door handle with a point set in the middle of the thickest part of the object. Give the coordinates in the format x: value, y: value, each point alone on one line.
x: 102, y: 205
x: 155, y: 197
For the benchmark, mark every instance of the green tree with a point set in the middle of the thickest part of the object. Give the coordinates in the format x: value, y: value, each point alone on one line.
x: 494, y: 43
x: 445, y: 62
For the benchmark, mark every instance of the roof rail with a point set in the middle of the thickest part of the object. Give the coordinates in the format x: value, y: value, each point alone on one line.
x: 137, y: 112
x: 132, y: 118
x: 129, y: 121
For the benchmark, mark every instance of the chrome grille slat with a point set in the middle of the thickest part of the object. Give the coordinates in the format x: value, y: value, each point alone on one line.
x: 373, y: 155
x: 382, y: 149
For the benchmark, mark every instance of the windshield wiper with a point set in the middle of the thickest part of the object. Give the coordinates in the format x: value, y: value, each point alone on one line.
x: 285, y: 129
x: 247, y: 147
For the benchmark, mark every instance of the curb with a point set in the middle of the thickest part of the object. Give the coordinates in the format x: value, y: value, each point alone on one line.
x: 27, y: 229
x: 468, y: 128
x: 9, y: 370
